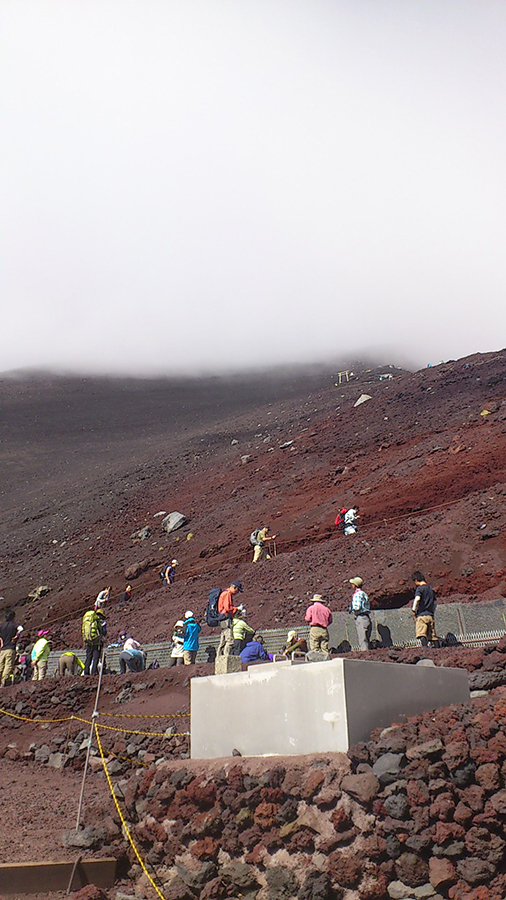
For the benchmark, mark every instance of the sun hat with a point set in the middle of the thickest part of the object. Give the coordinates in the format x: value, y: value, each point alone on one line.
x: 317, y: 598
x: 179, y: 623
x: 174, y: 562
x: 188, y: 614
x: 291, y: 635
x: 357, y: 582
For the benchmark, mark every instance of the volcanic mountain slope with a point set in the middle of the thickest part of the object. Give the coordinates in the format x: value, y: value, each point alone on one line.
x: 87, y: 463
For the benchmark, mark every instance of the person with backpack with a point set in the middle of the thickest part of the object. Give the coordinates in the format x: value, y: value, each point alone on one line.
x: 424, y: 608
x: 94, y: 630
x: 176, y: 653
x: 258, y: 540
x: 351, y: 520
x: 191, y: 631
x: 361, y: 609
x: 226, y: 612
x: 40, y: 654
x: 339, y: 520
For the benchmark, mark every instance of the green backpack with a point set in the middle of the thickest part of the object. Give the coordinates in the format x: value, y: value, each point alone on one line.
x: 92, y: 626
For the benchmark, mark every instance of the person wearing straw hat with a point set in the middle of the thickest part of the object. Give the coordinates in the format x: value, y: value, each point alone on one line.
x: 361, y: 609
x: 319, y: 618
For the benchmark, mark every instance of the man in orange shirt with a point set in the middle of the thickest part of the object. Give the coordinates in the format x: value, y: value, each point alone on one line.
x: 226, y: 607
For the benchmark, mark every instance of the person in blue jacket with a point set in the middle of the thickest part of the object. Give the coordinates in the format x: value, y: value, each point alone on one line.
x: 191, y: 631
x: 254, y: 650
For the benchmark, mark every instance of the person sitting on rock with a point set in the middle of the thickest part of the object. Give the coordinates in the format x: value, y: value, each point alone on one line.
x: 126, y: 595
x: 254, y: 650
x: 294, y: 644
x: 319, y: 618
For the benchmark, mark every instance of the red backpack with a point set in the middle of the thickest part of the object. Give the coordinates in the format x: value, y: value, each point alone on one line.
x: 340, y: 518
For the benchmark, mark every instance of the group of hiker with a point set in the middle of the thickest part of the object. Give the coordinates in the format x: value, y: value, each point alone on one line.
x: 237, y: 636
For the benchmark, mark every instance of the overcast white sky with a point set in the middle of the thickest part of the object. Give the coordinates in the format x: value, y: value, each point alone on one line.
x: 226, y: 183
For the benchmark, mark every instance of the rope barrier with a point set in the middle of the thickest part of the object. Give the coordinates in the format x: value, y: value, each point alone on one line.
x: 128, y: 731
x: 140, y: 716
x: 100, y: 724
x: 124, y: 825
x: 5, y: 712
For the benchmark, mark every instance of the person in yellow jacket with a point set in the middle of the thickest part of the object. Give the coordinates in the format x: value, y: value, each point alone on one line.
x: 241, y: 631
x: 40, y: 653
x: 70, y: 664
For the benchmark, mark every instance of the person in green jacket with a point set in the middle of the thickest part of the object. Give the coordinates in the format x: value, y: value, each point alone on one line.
x: 40, y: 653
x: 241, y: 631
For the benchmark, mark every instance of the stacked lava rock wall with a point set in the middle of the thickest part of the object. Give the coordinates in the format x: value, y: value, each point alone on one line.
x: 419, y: 811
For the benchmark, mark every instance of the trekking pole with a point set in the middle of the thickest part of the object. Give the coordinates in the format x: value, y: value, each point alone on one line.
x: 274, y: 548
x: 88, y: 751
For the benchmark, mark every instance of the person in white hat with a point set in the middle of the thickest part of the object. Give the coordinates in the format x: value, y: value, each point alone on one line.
x: 294, y: 644
x: 191, y: 631
x: 361, y: 609
x: 319, y: 618
x: 176, y: 653
x: 170, y: 572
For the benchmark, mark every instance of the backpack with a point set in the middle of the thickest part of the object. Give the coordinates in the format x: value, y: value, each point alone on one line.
x: 213, y: 617
x: 253, y: 538
x: 340, y: 518
x: 92, y: 626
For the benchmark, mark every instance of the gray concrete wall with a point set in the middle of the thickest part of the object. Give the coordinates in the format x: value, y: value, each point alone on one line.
x: 378, y: 694
x: 312, y: 707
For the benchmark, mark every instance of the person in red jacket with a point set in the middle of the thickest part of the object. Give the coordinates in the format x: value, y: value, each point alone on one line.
x: 319, y: 617
x: 227, y: 607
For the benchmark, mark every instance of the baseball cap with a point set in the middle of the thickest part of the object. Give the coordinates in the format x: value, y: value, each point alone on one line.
x: 238, y: 585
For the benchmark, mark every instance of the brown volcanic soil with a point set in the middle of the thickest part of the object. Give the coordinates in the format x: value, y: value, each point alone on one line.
x: 87, y: 462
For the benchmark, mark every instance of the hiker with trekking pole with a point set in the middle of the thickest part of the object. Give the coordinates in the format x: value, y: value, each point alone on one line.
x: 260, y: 541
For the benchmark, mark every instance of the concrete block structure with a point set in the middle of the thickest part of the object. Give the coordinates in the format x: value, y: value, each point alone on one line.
x: 284, y: 709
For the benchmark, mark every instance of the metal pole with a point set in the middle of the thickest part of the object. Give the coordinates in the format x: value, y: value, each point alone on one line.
x: 78, y: 860
x: 93, y: 718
